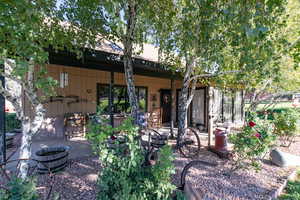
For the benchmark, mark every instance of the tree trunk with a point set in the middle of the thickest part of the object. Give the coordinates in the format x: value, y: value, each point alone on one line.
x: 128, y: 64
x: 182, y: 115
x: 30, y: 126
x: 25, y: 149
x: 131, y: 87
x: 184, y: 101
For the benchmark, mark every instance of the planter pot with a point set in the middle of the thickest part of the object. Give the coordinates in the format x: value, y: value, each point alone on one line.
x: 52, y: 159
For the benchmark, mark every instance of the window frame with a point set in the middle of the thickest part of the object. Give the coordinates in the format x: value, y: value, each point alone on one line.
x: 126, y: 94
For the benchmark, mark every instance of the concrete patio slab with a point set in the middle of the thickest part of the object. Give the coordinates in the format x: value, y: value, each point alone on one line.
x: 79, y: 147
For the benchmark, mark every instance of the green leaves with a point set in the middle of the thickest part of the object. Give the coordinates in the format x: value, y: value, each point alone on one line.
x: 253, y: 141
x: 286, y: 125
x: 123, y: 175
x: 20, y: 189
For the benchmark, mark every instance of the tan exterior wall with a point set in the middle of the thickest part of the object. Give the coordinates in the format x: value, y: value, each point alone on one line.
x: 83, y: 83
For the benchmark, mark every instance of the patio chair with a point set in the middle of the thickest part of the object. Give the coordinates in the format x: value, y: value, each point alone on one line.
x: 154, y: 119
x: 74, y: 125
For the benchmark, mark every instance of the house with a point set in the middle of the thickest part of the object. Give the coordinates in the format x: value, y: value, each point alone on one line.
x: 97, y: 79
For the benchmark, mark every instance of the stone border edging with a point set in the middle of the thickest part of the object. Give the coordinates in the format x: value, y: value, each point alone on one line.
x: 275, y: 194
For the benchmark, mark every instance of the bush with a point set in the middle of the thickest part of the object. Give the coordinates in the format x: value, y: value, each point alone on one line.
x: 19, y: 190
x: 252, y: 143
x: 286, y: 125
x: 292, y: 191
x: 11, y: 122
x: 272, y: 112
x: 124, y: 176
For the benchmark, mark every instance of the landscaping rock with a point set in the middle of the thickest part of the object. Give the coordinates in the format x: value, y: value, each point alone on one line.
x: 283, y: 159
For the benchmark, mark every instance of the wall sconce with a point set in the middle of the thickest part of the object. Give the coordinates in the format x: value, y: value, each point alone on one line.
x: 89, y: 91
x: 153, y: 99
x: 64, y: 79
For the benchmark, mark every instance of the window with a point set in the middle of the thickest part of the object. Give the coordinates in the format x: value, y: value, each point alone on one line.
x: 103, y: 97
x: 120, y: 98
x: 142, y: 97
x: 228, y: 106
x: 64, y: 79
x: 238, y: 108
x: 199, y: 107
x: 217, y: 107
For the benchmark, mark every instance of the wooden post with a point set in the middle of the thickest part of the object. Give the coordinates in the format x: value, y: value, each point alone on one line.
x: 210, y: 115
x: 111, y: 98
x: 173, y: 107
x: 243, y: 114
x: 2, y: 124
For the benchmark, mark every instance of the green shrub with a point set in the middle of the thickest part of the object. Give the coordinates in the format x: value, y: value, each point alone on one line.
x: 11, y: 122
x: 123, y: 175
x: 19, y: 190
x: 292, y: 190
x: 252, y: 143
x: 272, y: 112
x: 286, y: 125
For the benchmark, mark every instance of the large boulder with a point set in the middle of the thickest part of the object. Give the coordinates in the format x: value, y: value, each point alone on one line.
x: 283, y: 159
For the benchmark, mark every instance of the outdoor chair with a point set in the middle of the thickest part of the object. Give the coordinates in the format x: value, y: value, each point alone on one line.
x: 154, y: 119
x: 75, y: 125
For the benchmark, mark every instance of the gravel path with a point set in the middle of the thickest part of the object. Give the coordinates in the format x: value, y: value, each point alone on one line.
x: 78, y: 181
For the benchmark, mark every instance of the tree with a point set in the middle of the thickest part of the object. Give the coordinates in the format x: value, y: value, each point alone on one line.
x: 213, y: 38
x: 285, y: 80
x: 121, y: 22
x: 28, y: 29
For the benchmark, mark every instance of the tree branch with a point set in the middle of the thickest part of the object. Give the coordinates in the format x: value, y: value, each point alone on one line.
x: 273, y: 96
x: 190, y: 99
x: 212, y: 75
x: 38, y: 119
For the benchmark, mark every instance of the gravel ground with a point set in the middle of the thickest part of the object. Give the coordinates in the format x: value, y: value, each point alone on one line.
x: 78, y: 181
x: 213, y: 183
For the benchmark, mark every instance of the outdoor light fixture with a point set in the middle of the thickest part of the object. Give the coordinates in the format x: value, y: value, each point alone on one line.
x: 153, y: 99
x: 64, y: 79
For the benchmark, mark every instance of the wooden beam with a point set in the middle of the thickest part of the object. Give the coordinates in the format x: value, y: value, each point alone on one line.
x: 210, y: 115
x: 100, y: 60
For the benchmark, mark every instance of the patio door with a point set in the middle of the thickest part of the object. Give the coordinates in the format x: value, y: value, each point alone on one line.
x: 165, y: 104
x: 198, y: 108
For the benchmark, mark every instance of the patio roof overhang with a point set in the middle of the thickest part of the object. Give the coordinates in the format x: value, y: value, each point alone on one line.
x: 101, y: 60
